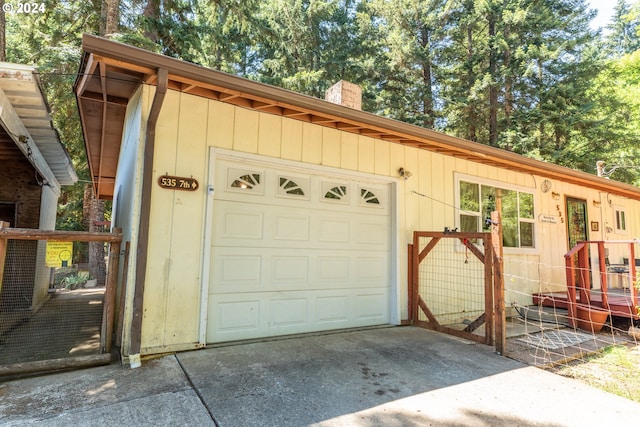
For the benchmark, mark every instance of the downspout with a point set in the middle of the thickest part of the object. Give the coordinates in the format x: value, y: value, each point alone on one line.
x: 145, y: 211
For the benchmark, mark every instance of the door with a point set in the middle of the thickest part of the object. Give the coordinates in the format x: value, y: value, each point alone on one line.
x: 576, y: 221
x: 294, y: 251
x: 576, y: 228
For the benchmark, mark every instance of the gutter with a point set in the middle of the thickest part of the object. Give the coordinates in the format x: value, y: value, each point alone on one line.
x: 145, y: 211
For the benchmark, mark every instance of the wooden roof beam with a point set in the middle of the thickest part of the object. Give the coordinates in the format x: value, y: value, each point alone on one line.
x: 348, y: 126
x: 323, y: 121
x: 90, y: 68
x: 95, y: 96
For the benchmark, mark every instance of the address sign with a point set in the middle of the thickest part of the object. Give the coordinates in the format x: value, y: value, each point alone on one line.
x: 178, y: 183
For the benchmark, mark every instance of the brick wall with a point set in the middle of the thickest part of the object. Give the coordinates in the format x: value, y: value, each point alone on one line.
x: 18, y: 185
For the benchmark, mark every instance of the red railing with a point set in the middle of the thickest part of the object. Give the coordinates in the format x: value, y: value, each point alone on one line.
x: 579, y: 279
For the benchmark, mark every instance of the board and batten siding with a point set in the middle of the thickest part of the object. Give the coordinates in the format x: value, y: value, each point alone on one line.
x: 189, y: 125
x: 126, y: 201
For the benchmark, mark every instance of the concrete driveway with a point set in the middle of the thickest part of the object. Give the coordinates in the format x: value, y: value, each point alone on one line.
x: 377, y: 377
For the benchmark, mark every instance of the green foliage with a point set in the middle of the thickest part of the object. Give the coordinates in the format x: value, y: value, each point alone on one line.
x: 527, y: 76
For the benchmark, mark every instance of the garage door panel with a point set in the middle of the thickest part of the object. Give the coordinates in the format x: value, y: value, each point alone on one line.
x: 372, y: 233
x: 289, y: 227
x: 333, y: 269
x: 238, y: 270
x: 240, y: 223
x: 238, y: 315
x: 289, y: 312
x: 372, y: 269
x: 332, y: 309
x: 289, y: 270
x: 333, y: 230
x: 372, y: 307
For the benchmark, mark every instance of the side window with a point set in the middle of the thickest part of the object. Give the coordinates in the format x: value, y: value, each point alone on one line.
x: 621, y: 220
x: 477, y: 201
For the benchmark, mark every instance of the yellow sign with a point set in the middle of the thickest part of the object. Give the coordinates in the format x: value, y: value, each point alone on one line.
x: 59, y: 254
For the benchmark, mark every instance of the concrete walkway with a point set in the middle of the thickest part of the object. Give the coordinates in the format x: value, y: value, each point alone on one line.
x: 379, y: 377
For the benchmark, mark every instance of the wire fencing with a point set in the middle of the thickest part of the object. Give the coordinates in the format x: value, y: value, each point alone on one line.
x: 55, y: 310
x: 553, y: 322
x: 453, y: 284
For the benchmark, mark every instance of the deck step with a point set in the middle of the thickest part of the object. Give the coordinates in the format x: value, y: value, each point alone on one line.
x: 536, y: 313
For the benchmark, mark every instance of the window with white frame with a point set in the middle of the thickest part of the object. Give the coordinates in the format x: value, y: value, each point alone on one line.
x: 620, y: 217
x: 477, y: 201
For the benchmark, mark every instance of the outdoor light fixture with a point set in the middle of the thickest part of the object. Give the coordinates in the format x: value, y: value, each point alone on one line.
x: 404, y: 173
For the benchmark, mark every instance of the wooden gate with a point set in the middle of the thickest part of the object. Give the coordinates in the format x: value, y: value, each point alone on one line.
x: 53, y: 314
x: 457, y: 286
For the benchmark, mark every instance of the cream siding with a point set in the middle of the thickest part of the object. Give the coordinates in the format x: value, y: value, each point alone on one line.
x: 349, y: 151
x: 126, y: 201
x: 48, y: 212
x: 291, y: 143
x: 189, y: 125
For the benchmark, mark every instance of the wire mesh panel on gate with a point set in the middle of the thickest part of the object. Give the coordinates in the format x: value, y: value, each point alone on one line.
x: 48, y: 311
x: 451, y: 283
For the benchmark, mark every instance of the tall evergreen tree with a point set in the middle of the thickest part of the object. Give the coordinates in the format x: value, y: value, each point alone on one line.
x: 624, y: 29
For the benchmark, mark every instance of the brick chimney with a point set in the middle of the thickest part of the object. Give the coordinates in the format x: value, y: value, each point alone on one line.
x: 345, y: 93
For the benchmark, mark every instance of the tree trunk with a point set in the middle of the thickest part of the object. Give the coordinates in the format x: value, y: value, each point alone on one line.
x: 508, y: 83
x: 427, y: 98
x: 93, y: 211
x: 493, y: 88
x: 471, y: 128
x: 151, y: 14
x: 109, y: 17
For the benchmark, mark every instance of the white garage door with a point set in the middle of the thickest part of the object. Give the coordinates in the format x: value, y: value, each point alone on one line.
x: 296, y: 252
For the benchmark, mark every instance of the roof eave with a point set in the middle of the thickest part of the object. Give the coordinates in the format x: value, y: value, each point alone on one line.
x: 432, y: 140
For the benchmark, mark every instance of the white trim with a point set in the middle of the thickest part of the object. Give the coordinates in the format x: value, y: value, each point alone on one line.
x: 206, y: 248
x: 300, y: 167
x: 486, y: 181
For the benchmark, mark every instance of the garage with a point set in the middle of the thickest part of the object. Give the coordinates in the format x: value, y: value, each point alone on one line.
x: 295, y: 252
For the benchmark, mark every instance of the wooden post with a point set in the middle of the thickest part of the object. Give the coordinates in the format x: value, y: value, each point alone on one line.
x: 3, y: 251
x: 415, y: 264
x: 123, y: 292
x: 603, y: 275
x: 584, y: 283
x: 109, y: 307
x: 410, y: 302
x: 633, y: 279
x: 571, y: 287
x: 498, y: 281
x: 488, y: 289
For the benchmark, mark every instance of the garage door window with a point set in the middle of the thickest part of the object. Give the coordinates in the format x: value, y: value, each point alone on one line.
x: 335, y: 193
x: 368, y: 198
x: 239, y: 180
x: 293, y: 187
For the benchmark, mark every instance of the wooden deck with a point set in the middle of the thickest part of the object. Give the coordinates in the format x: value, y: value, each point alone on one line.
x: 620, y: 301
